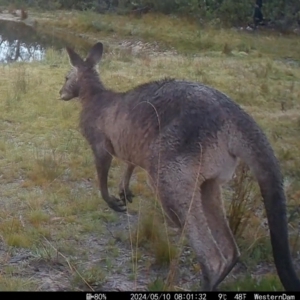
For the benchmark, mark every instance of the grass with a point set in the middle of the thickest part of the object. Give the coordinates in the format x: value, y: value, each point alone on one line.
x: 171, y: 32
x: 51, y: 210
x: 248, y: 283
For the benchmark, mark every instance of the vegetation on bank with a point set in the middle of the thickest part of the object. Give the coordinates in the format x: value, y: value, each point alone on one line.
x: 283, y: 14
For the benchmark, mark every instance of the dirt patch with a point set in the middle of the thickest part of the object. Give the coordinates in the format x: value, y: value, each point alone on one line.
x: 61, y: 272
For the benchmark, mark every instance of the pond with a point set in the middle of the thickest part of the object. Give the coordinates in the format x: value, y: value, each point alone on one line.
x: 19, y: 42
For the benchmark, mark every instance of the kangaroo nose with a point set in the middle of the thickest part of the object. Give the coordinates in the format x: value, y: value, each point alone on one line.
x: 61, y: 94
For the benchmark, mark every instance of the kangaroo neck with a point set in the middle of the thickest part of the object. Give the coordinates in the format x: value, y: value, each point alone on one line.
x: 90, y: 85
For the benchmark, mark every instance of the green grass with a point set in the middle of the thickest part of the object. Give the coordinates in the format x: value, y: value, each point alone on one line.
x: 265, y: 284
x: 172, y: 32
x: 50, y: 204
x: 15, y: 284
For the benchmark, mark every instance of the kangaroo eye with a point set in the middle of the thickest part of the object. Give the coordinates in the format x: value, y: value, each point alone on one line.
x: 66, y: 78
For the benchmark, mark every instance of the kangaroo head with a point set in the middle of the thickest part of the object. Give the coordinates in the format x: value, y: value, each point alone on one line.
x: 72, y: 84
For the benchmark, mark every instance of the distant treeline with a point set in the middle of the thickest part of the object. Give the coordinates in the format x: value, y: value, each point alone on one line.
x: 231, y: 12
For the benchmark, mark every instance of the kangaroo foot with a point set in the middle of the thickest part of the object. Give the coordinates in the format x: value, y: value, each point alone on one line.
x: 116, y: 204
x: 126, y: 196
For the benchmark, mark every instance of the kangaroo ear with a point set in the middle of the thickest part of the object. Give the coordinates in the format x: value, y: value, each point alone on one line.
x: 75, y: 59
x: 95, y: 54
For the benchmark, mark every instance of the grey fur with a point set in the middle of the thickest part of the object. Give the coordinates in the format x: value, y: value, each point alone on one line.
x: 188, y: 137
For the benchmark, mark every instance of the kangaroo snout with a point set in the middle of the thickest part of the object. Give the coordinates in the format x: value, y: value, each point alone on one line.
x: 63, y: 95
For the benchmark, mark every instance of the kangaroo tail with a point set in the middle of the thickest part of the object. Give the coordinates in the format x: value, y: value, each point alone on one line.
x: 252, y: 146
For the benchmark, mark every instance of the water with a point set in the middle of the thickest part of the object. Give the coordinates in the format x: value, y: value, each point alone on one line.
x: 19, y: 42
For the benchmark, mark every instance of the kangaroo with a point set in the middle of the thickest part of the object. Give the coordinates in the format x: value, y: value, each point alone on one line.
x: 188, y: 137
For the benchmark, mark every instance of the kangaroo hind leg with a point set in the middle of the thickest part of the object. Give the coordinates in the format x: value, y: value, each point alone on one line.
x: 216, y: 218
x: 182, y: 202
